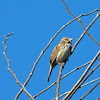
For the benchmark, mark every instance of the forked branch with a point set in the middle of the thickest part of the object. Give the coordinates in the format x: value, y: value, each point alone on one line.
x: 79, y: 21
x: 48, y: 46
x: 9, y: 69
x: 79, y: 82
x: 90, y: 91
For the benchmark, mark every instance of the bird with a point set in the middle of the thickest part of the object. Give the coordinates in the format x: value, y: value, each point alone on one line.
x: 60, y: 53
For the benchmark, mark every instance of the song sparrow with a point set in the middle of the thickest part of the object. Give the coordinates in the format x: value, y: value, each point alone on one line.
x: 60, y: 53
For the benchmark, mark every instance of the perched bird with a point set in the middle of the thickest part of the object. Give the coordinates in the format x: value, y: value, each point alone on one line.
x: 60, y: 53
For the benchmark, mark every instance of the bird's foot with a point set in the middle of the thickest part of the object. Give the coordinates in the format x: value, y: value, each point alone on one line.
x: 62, y: 64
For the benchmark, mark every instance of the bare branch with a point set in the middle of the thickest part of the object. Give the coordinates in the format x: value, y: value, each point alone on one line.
x: 77, y: 85
x: 82, y: 35
x: 20, y: 91
x: 72, y: 52
x: 58, y: 81
x: 45, y: 89
x: 63, y: 77
x: 78, y: 17
x: 79, y: 21
x: 90, y: 82
x: 90, y: 12
x: 75, y: 69
x: 90, y: 74
x: 9, y: 69
x: 90, y: 90
x: 61, y: 95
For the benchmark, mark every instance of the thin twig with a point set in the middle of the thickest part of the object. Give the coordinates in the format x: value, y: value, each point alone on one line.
x: 77, y: 85
x: 20, y: 91
x: 78, y: 17
x: 61, y: 95
x: 90, y: 90
x: 85, y: 32
x: 63, y: 77
x: 36, y: 64
x: 90, y: 82
x: 58, y: 82
x: 9, y: 69
x: 85, y: 78
x: 72, y: 51
x: 75, y: 69
x: 80, y: 22
x: 83, y: 81
x: 89, y: 75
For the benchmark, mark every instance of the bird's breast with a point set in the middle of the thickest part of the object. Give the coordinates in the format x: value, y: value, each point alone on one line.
x: 64, y: 54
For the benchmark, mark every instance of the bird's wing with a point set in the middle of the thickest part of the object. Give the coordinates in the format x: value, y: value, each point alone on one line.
x: 55, y: 54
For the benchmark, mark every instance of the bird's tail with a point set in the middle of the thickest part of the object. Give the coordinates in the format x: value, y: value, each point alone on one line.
x: 50, y: 71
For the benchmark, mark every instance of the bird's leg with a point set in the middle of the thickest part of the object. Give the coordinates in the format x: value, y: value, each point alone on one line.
x: 62, y: 64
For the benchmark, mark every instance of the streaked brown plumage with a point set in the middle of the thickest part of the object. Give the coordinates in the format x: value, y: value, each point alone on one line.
x: 60, y: 53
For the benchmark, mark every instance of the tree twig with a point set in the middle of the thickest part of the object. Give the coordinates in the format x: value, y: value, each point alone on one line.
x: 85, y: 32
x: 77, y: 85
x: 79, y: 21
x: 58, y: 82
x: 90, y: 82
x: 9, y: 69
x: 72, y: 52
x: 62, y: 78
x: 90, y: 91
x: 20, y: 91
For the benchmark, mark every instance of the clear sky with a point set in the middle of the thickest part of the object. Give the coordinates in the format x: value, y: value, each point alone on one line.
x: 34, y: 23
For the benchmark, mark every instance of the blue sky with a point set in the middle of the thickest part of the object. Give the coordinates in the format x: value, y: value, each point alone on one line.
x: 34, y: 23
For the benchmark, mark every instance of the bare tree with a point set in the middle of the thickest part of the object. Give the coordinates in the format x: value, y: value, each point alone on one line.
x: 80, y: 83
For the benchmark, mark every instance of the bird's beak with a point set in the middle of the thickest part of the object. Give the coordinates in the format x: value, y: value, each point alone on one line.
x: 71, y: 39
